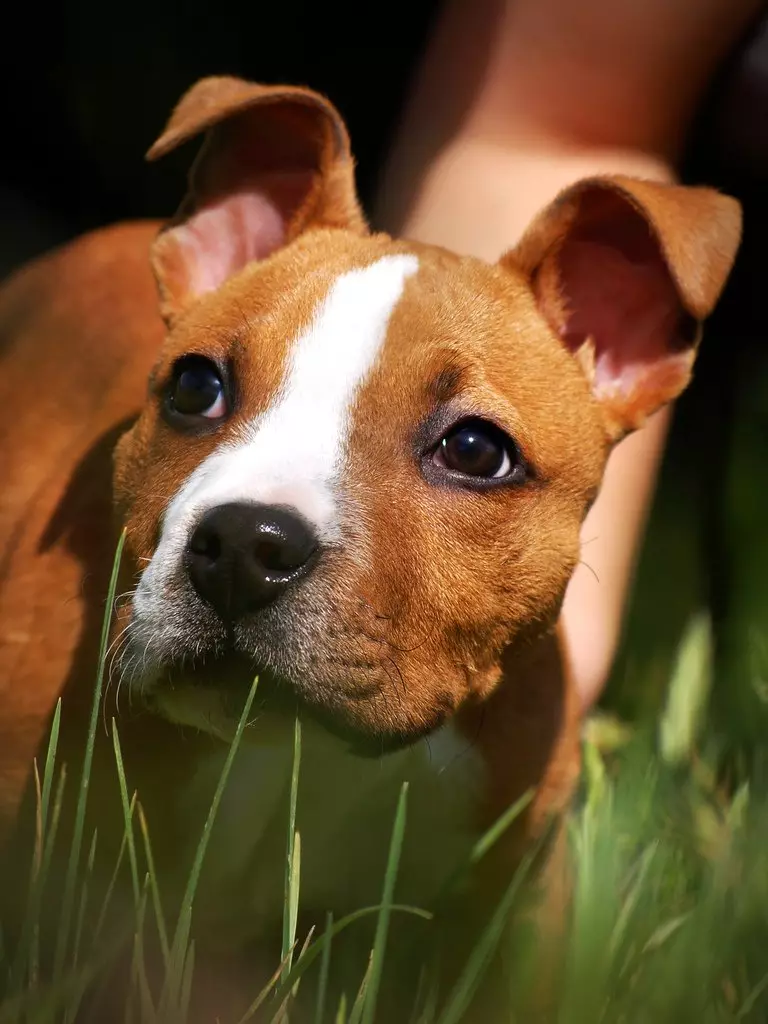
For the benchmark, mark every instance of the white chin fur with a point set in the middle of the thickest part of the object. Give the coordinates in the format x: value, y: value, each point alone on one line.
x: 202, y: 708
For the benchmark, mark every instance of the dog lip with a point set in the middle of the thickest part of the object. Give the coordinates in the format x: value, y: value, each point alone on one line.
x: 231, y: 673
x: 224, y: 671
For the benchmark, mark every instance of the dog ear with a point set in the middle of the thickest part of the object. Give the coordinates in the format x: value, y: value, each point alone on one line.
x: 625, y: 271
x: 275, y: 162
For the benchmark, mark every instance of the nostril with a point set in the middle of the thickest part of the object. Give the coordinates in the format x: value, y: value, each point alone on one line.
x: 271, y: 555
x: 206, y: 543
x: 277, y: 556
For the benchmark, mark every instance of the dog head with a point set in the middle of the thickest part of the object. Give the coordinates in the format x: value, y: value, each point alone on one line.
x: 363, y: 464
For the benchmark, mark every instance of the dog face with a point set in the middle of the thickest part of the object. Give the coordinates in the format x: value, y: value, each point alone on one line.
x: 363, y: 464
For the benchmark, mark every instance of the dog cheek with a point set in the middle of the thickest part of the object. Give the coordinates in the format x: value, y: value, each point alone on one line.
x: 127, y: 488
x: 133, y: 470
x: 143, y: 483
x: 124, y: 476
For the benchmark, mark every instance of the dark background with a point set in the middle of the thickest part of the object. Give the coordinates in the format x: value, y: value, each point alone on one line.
x: 86, y: 86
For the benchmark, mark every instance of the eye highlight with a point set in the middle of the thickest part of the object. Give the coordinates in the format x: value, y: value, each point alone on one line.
x: 479, y: 451
x: 196, y: 389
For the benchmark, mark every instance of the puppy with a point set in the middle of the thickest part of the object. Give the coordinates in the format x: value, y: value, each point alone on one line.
x: 353, y: 466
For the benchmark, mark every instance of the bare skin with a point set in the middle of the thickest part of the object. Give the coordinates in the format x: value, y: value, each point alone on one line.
x: 515, y: 100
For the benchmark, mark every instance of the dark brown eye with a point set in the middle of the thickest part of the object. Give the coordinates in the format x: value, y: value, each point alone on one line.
x: 196, y: 388
x: 476, y: 448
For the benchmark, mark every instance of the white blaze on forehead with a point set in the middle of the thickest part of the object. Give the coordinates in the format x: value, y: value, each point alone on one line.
x: 293, y: 453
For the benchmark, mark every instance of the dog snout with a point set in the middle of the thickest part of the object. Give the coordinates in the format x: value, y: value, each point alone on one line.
x: 240, y: 557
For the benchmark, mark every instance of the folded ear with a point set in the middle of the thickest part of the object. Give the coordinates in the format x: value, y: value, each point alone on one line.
x: 625, y: 271
x: 275, y: 161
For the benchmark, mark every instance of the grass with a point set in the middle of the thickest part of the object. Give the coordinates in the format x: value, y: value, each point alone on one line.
x: 669, y: 920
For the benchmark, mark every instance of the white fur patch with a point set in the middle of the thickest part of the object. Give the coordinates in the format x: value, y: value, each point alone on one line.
x: 293, y: 454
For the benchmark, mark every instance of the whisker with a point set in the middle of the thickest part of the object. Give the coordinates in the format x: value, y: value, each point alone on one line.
x: 396, y: 667
x: 429, y: 748
x: 117, y: 647
x: 391, y: 643
x: 471, y: 743
x: 588, y: 566
x: 122, y: 599
x: 410, y: 650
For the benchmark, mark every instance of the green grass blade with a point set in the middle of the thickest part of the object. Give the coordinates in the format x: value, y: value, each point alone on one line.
x: 50, y: 767
x: 133, y: 982
x: 162, y: 928
x: 38, y: 875
x: 325, y: 970
x: 664, y: 933
x: 262, y: 996
x: 382, y: 924
x: 489, y: 839
x: 106, y: 902
x: 631, y: 901
x: 128, y: 806
x: 181, y: 934
x: 281, y: 1016
x: 45, y: 1005
x: 689, y: 690
x: 30, y: 929
x: 317, y: 947
x: 483, y: 845
x: 83, y: 903
x: 68, y: 897
x: 74, y: 1004
x: 427, y: 1013
x: 50, y: 841
x: 302, y: 952
x: 751, y: 1001
x: 141, y: 987
x: 356, y: 1013
x: 26, y: 952
x: 341, y: 1013
x: 292, y: 865
x: 470, y: 978
x: 186, y: 982
x: 480, y: 849
x: 291, y: 909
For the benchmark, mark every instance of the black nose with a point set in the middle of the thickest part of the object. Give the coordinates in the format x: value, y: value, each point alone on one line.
x: 240, y: 557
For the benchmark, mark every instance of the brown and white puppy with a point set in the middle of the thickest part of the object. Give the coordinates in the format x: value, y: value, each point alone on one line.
x: 359, y: 471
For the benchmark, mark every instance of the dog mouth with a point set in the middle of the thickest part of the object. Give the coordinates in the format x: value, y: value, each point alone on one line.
x: 211, y: 695
x: 216, y: 688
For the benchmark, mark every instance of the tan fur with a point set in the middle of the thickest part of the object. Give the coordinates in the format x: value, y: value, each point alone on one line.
x: 443, y: 601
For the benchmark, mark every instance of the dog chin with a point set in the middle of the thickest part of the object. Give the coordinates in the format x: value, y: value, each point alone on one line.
x: 207, y: 711
x: 210, y: 698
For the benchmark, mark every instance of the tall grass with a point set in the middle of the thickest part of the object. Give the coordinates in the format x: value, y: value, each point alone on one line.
x: 669, y: 917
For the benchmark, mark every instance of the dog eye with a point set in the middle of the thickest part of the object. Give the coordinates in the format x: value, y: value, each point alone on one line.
x: 476, y: 448
x: 196, y: 388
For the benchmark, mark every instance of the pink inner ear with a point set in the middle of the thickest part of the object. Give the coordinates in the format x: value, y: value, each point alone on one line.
x: 224, y: 236
x: 624, y: 299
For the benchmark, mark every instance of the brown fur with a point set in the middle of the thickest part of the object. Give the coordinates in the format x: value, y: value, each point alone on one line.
x: 444, y: 601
